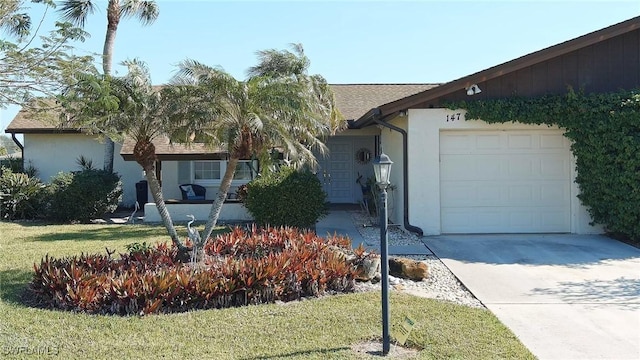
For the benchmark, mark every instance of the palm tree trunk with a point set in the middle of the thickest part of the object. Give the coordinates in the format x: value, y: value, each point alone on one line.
x: 113, y: 18
x: 156, y: 192
x: 109, y: 150
x: 214, y: 214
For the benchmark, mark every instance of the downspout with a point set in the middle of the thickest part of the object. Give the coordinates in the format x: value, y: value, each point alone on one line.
x: 15, y: 140
x: 405, y: 172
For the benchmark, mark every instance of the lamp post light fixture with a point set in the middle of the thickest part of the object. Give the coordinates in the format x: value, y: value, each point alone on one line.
x: 382, y: 170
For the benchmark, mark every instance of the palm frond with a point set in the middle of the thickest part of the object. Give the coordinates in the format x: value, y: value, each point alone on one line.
x: 18, y: 25
x: 280, y: 63
x: 192, y: 72
x: 279, y: 107
x: 138, y: 73
x: 77, y: 11
x: 145, y: 10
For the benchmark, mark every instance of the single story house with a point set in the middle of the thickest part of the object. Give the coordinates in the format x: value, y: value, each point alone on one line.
x: 451, y: 175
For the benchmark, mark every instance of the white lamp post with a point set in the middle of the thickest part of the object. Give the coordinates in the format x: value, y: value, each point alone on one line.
x: 382, y: 170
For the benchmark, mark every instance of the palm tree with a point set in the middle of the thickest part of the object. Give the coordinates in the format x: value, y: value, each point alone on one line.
x: 77, y: 12
x: 279, y: 106
x: 129, y: 105
x: 12, y: 21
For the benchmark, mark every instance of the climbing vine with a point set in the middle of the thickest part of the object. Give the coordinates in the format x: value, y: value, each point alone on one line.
x: 605, y: 134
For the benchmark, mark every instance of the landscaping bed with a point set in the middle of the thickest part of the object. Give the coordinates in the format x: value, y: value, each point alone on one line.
x: 242, y: 267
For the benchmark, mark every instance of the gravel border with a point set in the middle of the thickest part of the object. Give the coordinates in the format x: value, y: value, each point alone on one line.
x: 441, y: 283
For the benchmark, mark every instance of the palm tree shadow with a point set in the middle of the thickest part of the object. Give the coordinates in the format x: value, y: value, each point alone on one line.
x: 326, y: 352
x: 13, y: 283
x: 103, y: 233
x: 621, y: 291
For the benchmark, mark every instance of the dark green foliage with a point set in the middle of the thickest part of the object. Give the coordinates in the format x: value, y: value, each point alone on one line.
x: 22, y: 195
x: 240, y: 268
x: 12, y: 163
x: 83, y: 195
x: 137, y: 247
x: 605, y: 131
x: 287, y: 197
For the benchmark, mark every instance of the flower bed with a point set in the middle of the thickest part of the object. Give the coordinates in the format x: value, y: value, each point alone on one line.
x: 239, y: 268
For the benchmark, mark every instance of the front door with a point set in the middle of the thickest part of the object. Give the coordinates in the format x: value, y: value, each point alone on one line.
x: 336, y: 171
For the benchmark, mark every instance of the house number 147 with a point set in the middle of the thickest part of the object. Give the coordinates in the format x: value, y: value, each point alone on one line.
x: 453, y: 117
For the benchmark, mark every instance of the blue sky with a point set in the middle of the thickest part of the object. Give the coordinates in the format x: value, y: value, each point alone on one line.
x: 351, y: 41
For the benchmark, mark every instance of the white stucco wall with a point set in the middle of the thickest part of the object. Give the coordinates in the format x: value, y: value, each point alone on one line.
x: 53, y: 153
x: 170, y: 183
x: 179, y: 212
x: 424, y: 126
x: 391, y: 141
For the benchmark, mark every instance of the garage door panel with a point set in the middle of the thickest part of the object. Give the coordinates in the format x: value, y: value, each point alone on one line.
x: 553, y: 141
x: 524, y: 194
x: 497, y: 167
x: 521, y: 194
x: 456, y: 144
x: 520, y: 167
x: 505, y: 181
x: 461, y: 167
x: 488, y: 142
x: 554, y: 168
x: 493, y: 220
x: 520, y: 141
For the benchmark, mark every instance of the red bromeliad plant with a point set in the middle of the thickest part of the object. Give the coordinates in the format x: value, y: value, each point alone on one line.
x: 240, y: 268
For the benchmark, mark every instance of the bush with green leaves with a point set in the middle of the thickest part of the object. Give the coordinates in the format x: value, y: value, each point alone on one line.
x: 12, y: 163
x: 286, y: 197
x: 21, y: 195
x: 605, y: 134
x: 83, y: 195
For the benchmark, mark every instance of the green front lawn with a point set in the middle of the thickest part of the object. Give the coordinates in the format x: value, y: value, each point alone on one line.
x: 313, y: 329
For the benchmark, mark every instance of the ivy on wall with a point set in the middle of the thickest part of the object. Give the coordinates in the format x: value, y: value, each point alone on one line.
x: 605, y: 134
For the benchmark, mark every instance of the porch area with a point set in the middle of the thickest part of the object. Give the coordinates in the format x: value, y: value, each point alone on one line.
x: 232, y: 211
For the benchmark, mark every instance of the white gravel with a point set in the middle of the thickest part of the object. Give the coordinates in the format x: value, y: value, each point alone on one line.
x: 441, y: 284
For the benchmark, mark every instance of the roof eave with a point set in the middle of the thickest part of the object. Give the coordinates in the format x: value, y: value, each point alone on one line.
x: 365, y: 120
x: 180, y: 157
x: 41, y: 131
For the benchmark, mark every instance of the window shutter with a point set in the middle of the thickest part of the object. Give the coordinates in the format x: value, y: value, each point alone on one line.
x: 184, y: 172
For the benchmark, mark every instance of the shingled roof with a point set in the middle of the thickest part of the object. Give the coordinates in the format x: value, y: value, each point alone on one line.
x: 353, y: 101
x: 167, y: 151
x: 26, y: 123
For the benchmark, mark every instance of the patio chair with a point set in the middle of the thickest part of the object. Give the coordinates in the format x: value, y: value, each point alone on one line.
x: 193, y: 192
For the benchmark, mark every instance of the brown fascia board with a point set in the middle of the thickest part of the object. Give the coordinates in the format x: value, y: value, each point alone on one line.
x: 181, y: 157
x: 42, y: 131
x: 502, y: 69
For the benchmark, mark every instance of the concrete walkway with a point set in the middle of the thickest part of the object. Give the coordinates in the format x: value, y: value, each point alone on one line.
x: 340, y: 222
x: 564, y: 296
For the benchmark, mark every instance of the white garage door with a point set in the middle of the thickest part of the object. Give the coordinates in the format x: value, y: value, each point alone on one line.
x: 505, y: 181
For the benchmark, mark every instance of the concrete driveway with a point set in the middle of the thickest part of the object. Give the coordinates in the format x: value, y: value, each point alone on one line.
x: 564, y: 296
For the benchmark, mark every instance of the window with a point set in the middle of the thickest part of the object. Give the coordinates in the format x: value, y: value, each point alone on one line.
x: 207, y: 170
x: 212, y: 171
x: 243, y: 171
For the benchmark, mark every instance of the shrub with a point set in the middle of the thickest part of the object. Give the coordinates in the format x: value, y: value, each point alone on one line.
x: 240, y: 268
x: 22, y: 195
x: 286, y: 197
x: 12, y: 163
x: 83, y: 195
x: 137, y: 247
